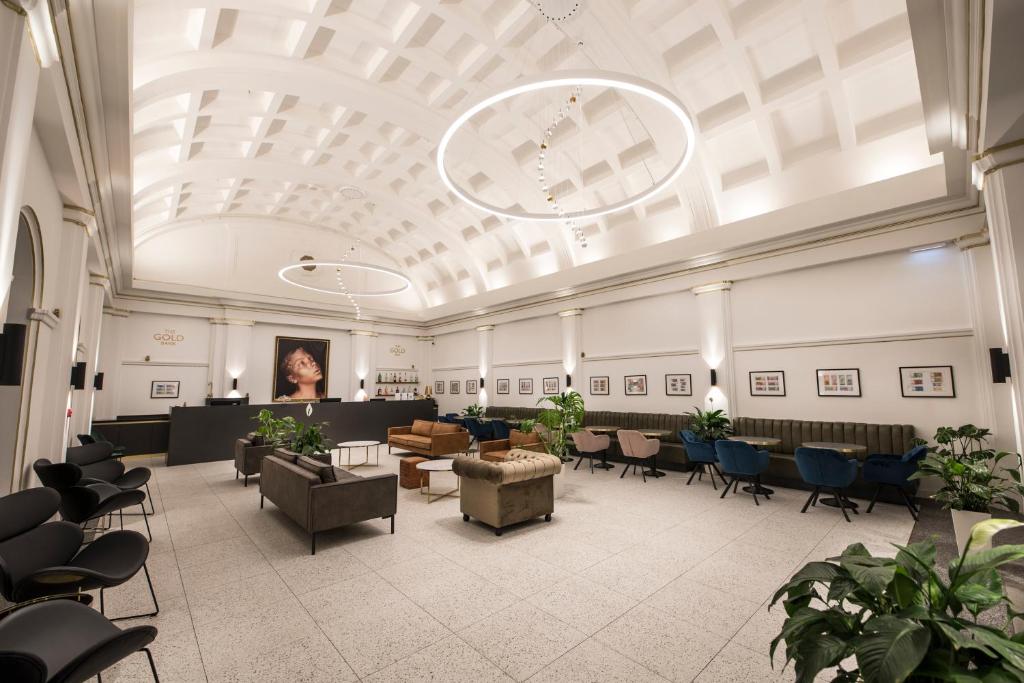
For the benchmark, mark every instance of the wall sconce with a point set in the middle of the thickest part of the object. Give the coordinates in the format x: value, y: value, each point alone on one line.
x: 234, y: 384
x: 1000, y: 361
x: 714, y: 377
x: 97, y: 381
x: 481, y: 382
x: 362, y: 384
x: 568, y: 381
x: 78, y: 375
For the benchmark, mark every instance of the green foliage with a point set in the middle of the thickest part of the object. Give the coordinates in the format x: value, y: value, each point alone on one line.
x: 474, y: 410
x: 273, y: 431
x: 564, y: 417
x: 709, y: 425
x: 287, y: 431
x: 898, y: 619
x: 309, y: 439
x: 972, y: 477
x: 526, y: 426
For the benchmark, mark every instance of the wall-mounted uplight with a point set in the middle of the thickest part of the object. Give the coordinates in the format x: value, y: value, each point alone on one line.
x: 481, y: 382
x: 234, y: 384
x: 714, y: 377
x: 362, y: 384
x: 568, y: 381
x: 928, y: 247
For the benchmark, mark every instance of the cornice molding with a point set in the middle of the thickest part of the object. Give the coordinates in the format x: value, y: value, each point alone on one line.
x: 363, y: 333
x: 866, y: 339
x: 17, y: 9
x: 570, y: 313
x: 973, y: 240
x: 485, y: 328
x: 232, y: 321
x: 116, y: 312
x: 425, y: 338
x: 46, y: 317
x: 723, y: 286
x: 999, y: 157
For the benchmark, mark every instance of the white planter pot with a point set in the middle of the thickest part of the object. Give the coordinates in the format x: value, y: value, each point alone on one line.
x: 962, y: 523
x: 559, y: 483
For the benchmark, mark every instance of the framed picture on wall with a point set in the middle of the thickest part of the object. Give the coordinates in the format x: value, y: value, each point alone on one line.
x: 166, y: 389
x: 471, y: 386
x: 526, y: 386
x: 503, y: 386
x: 636, y: 385
x: 550, y: 385
x: 453, y: 386
x: 768, y: 383
x: 678, y: 385
x: 927, y: 381
x: 300, y: 368
x: 599, y: 386
x: 439, y: 386
x: 845, y: 382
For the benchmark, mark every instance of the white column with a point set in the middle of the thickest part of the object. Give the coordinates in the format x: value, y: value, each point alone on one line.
x: 19, y: 79
x: 426, y: 345
x: 218, y: 358
x: 238, y: 338
x: 109, y: 363
x: 79, y: 226
x: 572, y: 345
x: 1002, y: 171
x: 714, y: 316
x: 485, y: 360
x: 88, y: 343
x: 362, y: 364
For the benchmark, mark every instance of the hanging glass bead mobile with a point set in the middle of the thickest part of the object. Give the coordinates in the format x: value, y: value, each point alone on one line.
x: 341, y: 281
x: 545, y: 143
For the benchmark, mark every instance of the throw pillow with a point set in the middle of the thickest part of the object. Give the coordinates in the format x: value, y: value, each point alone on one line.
x: 325, y: 472
x: 285, y: 454
x: 446, y: 428
x: 422, y: 427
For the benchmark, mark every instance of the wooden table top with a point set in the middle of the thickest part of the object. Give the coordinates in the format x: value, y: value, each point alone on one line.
x: 756, y: 440
x: 602, y: 429
x: 836, y: 446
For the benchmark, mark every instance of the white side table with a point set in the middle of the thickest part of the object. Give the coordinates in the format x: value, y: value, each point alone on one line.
x: 442, y: 465
x: 349, y: 445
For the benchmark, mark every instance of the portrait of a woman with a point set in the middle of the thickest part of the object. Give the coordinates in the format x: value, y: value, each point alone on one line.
x: 300, y: 369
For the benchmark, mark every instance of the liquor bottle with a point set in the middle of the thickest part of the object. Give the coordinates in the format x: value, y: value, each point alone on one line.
x: 378, y: 378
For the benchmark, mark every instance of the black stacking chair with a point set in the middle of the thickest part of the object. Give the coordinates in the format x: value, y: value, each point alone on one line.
x: 65, y: 641
x: 83, y: 500
x: 97, y: 462
x: 38, y: 560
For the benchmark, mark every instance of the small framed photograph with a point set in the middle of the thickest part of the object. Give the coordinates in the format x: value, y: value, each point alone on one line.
x: 768, y: 383
x: 550, y: 385
x: 526, y: 386
x: 453, y: 386
x: 927, y: 381
x: 503, y: 386
x: 636, y: 385
x: 599, y: 386
x: 844, y: 382
x: 167, y: 389
x: 471, y: 386
x: 439, y: 386
x: 678, y: 385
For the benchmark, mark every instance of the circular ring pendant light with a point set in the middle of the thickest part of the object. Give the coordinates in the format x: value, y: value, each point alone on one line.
x: 402, y: 283
x: 563, y: 80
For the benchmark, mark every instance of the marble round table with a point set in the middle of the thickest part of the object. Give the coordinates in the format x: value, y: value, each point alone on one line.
x: 440, y: 465
x: 839, y: 447
x: 349, y: 445
x: 757, y: 441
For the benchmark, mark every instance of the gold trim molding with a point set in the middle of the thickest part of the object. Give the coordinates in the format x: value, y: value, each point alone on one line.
x: 17, y: 9
x: 723, y: 286
x: 974, y: 239
x: 570, y: 313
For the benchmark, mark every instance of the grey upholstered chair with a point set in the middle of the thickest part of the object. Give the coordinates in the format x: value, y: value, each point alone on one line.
x: 587, y: 444
x: 637, y: 449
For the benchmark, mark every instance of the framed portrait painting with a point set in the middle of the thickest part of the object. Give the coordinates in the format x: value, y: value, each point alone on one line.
x: 503, y: 386
x: 471, y: 386
x: 453, y: 386
x: 927, y: 381
x: 678, y: 385
x: 636, y: 385
x: 845, y: 382
x: 166, y: 389
x: 439, y: 386
x: 300, y: 368
x: 768, y: 383
x: 550, y: 385
x: 599, y: 386
x: 526, y: 386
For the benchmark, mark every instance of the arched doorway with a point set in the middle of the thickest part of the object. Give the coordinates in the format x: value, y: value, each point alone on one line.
x: 24, y: 296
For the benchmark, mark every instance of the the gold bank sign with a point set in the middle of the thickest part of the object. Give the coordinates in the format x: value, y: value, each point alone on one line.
x: 168, y: 338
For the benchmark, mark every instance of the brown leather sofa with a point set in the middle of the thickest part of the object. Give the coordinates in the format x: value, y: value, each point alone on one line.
x: 430, y: 439
x: 319, y: 497
x: 500, y: 494
x: 497, y: 450
x: 248, y: 458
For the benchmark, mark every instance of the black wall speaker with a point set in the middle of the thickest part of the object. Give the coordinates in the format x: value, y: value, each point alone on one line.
x: 97, y: 381
x: 12, y: 353
x: 78, y: 375
x: 1000, y: 365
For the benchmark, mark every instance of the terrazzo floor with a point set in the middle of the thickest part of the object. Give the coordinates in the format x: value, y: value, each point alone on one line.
x: 630, y: 581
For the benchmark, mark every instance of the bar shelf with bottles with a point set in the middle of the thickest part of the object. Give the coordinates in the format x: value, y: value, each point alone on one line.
x: 398, y: 383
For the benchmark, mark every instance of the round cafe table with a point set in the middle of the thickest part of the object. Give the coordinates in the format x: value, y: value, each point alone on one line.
x: 654, y: 434
x: 756, y: 442
x: 349, y: 445
x: 440, y: 465
x: 603, y: 429
x: 845, y: 449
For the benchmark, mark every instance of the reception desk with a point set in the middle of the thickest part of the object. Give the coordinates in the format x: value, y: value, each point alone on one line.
x: 208, y: 433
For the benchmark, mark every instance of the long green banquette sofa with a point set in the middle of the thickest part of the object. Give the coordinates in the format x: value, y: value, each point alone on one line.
x: 878, y: 438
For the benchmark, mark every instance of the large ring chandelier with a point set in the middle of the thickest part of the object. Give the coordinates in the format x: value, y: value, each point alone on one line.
x: 402, y: 283
x: 564, y: 80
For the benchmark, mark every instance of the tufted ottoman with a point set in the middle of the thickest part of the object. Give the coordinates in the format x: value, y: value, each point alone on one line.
x: 408, y: 476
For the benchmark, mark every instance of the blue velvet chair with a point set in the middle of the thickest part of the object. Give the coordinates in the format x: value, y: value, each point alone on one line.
x: 824, y: 468
x: 742, y: 462
x: 702, y: 455
x: 895, y: 471
x: 478, y: 430
x: 501, y: 429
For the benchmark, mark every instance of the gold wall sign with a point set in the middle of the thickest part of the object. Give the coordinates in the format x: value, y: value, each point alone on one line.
x: 168, y: 338
x: 397, y: 350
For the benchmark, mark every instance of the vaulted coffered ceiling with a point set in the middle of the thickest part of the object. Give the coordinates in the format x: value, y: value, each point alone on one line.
x: 265, y: 130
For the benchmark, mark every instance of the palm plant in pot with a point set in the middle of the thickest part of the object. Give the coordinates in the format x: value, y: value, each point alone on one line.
x: 709, y: 425
x: 893, y: 619
x: 974, y: 483
x: 564, y: 417
x: 475, y: 410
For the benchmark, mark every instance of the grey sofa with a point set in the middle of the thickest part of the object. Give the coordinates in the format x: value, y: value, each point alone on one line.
x: 318, y: 505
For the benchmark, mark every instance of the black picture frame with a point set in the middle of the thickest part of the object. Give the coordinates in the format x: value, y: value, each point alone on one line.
x: 503, y: 385
x: 318, y: 350
x: 471, y: 386
x: 782, y: 376
x: 454, y: 386
x: 855, y: 371
x: 526, y: 383
x: 165, y: 387
x: 635, y: 378
x: 607, y: 385
x: 439, y: 386
x: 922, y: 394
x: 689, y: 384
x: 544, y: 386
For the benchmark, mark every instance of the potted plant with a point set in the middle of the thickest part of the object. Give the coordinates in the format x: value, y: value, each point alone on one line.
x: 474, y: 410
x: 709, y: 425
x: 564, y: 417
x: 973, y: 483
x: 897, y: 619
x: 271, y: 431
x: 309, y: 440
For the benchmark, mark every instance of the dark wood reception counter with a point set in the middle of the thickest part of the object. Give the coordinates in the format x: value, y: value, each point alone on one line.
x: 208, y: 433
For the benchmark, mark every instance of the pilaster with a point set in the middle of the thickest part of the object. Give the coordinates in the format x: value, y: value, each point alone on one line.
x: 714, y: 313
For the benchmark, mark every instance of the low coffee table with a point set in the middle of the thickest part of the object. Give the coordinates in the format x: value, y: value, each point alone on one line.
x: 442, y: 465
x: 349, y: 445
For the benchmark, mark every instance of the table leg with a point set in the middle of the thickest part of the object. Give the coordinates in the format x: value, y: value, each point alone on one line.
x: 439, y: 496
x: 605, y: 465
x: 759, y: 490
x: 654, y: 471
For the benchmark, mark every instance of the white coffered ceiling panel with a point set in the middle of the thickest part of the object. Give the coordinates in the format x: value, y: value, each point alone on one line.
x: 269, y: 129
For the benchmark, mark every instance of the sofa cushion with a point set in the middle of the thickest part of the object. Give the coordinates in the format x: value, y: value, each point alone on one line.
x: 517, y: 438
x: 446, y: 428
x: 411, y: 440
x: 422, y: 427
x: 325, y: 472
x: 286, y: 455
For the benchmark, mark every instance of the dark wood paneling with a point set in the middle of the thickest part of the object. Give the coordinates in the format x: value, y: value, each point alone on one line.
x: 208, y: 433
x: 136, y: 436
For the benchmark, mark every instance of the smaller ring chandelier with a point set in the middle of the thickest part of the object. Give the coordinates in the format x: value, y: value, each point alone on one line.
x: 395, y: 282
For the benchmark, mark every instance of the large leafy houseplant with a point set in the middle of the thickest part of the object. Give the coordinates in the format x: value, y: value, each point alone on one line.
x: 564, y: 417
x: 475, y: 410
x: 972, y: 478
x: 886, y: 620
x: 271, y: 430
x: 709, y: 425
x: 309, y: 439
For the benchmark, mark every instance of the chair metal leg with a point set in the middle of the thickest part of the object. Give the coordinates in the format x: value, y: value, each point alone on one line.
x: 392, y: 524
x: 149, y: 496
x: 145, y: 518
x: 625, y: 468
x: 120, y: 516
x: 809, y: 499
x: 236, y: 475
x: 245, y: 482
x: 152, y: 664
x: 842, y: 505
x: 643, y: 472
x: 696, y: 468
x: 908, y: 502
x: 871, y: 505
x: 727, y: 485
x: 717, y: 471
x: 152, y: 594
x: 578, y: 461
x: 817, y: 493
x: 312, y: 547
